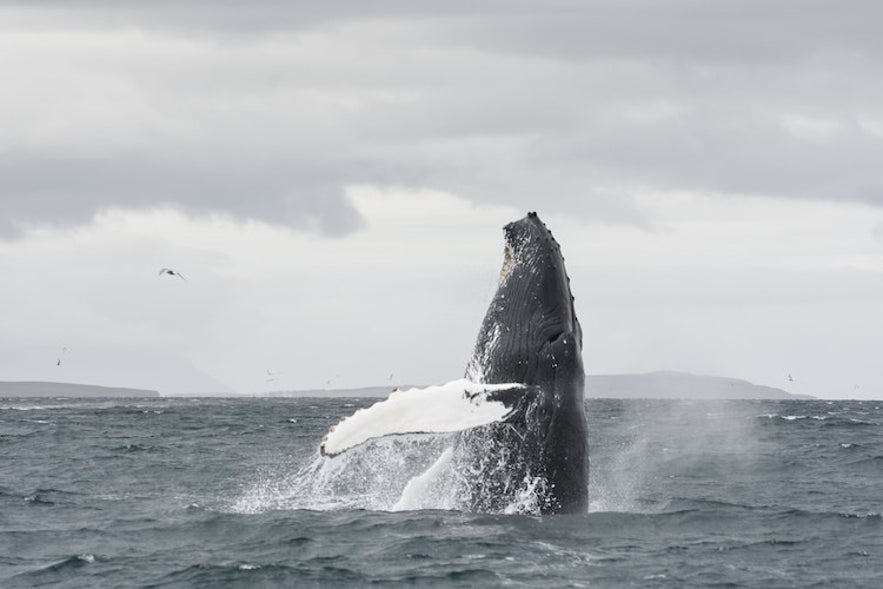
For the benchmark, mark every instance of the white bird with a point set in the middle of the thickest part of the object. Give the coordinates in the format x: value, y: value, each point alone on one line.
x: 171, y: 272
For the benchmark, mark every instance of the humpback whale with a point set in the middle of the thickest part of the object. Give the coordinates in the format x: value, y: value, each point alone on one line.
x: 519, y: 413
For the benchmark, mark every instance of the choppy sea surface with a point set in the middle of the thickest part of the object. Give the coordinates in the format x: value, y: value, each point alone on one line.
x: 232, y: 492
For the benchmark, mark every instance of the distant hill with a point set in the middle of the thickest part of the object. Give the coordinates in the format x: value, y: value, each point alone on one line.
x: 65, y: 389
x: 679, y: 385
x: 651, y: 385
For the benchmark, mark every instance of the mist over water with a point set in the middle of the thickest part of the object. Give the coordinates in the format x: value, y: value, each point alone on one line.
x: 208, y: 492
x: 650, y: 443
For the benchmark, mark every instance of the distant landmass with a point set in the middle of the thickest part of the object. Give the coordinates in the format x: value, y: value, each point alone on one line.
x: 679, y: 385
x: 66, y: 389
x: 652, y: 385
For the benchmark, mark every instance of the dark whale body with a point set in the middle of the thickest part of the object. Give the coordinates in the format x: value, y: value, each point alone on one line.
x: 517, y: 420
x: 530, y: 335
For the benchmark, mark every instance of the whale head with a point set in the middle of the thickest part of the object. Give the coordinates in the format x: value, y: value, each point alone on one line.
x: 531, y: 316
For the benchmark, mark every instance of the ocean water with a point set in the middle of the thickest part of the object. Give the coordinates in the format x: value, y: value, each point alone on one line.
x: 232, y: 493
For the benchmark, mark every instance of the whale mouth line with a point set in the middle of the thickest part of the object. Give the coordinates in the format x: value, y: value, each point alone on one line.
x: 556, y: 336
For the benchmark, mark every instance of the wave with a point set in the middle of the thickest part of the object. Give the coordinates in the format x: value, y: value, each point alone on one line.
x: 849, y: 422
x: 873, y: 461
x: 135, y: 448
x: 49, y: 496
x: 56, y: 572
x: 33, y: 407
x: 319, y: 571
x: 827, y: 420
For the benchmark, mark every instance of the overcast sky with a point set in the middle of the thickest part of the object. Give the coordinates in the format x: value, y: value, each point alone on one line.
x: 332, y: 181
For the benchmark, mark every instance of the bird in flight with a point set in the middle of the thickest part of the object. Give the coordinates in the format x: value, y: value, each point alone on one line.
x: 171, y: 272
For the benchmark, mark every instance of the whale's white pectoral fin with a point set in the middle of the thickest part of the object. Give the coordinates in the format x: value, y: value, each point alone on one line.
x: 455, y: 406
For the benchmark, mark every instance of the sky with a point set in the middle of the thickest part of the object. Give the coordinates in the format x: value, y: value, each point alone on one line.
x: 332, y: 180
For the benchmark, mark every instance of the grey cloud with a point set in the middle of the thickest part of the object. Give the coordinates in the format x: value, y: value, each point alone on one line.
x: 710, y: 153
x: 67, y: 192
x: 682, y: 30
x: 689, y: 32
x: 566, y: 106
x: 226, y: 18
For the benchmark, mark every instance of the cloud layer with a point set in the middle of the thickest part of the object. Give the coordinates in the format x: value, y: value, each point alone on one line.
x: 270, y: 110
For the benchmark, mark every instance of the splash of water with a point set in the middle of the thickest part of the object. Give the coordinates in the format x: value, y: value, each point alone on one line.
x: 406, y: 472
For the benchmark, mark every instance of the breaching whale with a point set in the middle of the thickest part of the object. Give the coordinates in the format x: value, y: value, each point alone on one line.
x: 520, y: 410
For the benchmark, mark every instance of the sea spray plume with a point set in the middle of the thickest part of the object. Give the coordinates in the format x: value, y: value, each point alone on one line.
x: 522, y: 442
x: 651, y: 442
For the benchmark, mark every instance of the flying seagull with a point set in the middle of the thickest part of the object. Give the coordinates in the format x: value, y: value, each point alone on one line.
x: 171, y: 272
